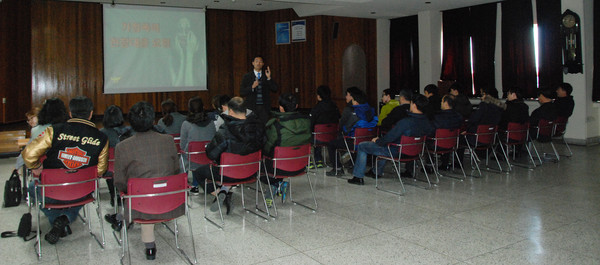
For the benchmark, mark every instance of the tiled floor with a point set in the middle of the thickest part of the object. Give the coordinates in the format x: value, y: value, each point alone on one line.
x: 550, y: 215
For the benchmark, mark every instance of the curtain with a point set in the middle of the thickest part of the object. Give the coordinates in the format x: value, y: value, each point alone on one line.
x: 550, y: 45
x: 456, y: 64
x: 518, y: 59
x: 596, y: 82
x: 483, y: 34
x: 404, y: 53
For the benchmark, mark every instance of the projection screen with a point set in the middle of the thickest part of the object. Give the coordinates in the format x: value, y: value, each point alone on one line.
x: 153, y: 49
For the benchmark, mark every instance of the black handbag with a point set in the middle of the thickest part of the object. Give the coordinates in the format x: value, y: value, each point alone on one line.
x: 12, y: 190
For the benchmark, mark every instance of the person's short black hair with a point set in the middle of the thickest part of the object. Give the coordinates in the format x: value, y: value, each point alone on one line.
x: 353, y: 91
x: 515, y: 90
x: 113, y: 117
x: 141, y: 116
x: 420, y: 101
x: 53, y: 112
x: 548, y: 93
x: 457, y: 86
x: 432, y: 89
x: 258, y: 56
x: 236, y: 104
x: 223, y: 100
x: 81, y: 107
x: 288, y: 101
x: 324, y: 92
x: 390, y: 92
x: 567, y: 88
x: 491, y: 91
x: 450, y: 99
x: 406, y: 94
x: 361, y: 98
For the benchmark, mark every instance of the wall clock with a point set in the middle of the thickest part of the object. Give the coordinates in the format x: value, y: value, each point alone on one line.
x: 571, y: 36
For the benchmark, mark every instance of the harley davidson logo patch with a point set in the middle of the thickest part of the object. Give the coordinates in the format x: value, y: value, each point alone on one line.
x: 73, y: 157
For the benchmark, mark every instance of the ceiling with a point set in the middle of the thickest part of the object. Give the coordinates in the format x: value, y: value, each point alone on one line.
x: 345, y: 8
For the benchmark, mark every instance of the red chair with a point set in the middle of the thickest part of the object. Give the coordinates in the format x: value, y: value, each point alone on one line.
x: 292, y: 159
x: 516, y: 134
x: 196, y: 153
x: 409, y: 149
x: 323, y: 134
x: 244, y: 169
x: 156, y: 196
x: 560, y: 129
x: 69, y: 185
x: 542, y: 133
x: 484, y: 139
x: 360, y: 135
x: 177, y: 140
x: 444, y: 142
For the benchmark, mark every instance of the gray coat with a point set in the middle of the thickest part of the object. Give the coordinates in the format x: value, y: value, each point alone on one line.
x: 146, y: 155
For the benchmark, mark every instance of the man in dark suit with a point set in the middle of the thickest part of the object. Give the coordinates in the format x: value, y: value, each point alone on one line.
x: 256, y: 88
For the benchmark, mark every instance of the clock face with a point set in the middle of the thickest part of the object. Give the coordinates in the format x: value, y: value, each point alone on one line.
x: 569, y: 21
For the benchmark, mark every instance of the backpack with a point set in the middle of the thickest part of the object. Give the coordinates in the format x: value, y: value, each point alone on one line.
x: 12, y: 190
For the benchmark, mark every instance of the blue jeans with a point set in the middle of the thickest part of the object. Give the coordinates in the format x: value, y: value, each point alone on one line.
x: 71, y: 213
x: 370, y: 148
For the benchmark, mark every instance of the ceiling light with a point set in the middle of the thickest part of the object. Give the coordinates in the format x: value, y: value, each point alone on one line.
x: 427, y: 3
x: 259, y: 4
x: 373, y: 12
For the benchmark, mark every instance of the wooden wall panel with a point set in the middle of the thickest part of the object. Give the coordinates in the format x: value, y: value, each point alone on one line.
x: 15, y: 60
x: 67, y: 54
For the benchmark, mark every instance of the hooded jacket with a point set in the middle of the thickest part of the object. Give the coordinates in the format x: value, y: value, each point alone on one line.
x: 324, y: 112
x: 516, y: 111
x: 357, y: 116
x: 237, y: 136
x: 489, y: 113
x: 286, y: 129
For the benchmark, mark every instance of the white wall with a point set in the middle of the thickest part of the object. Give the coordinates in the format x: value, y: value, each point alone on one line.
x: 430, y: 65
x: 383, y: 56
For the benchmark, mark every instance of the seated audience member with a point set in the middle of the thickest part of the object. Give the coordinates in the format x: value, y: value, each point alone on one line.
x: 462, y: 104
x: 323, y: 113
x: 196, y: 127
x: 564, y: 101
x: 546, y: 111
x: 357, y: 115
x: 36, y: 129
x: 389, y: 99
x: 489, y: 111
x: 223, y: 100
x: 171, y: 120
x: 136, y: 158
x: 216, y: 108
x: 516, y: 109
x: 447, y: 118
x: 416, y: 124
x: 286, y: 128
x: 51, y: 144
x: 398, y: 113
x: 240, y: 134
x: 115, y: 131
x: 431, y: 91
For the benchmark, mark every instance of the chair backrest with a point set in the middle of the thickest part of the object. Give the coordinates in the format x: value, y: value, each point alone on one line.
x: 162, y: 194
x: 177, y: 140
x: 516, y: 133
x: 560, y: 126
x: 364, y: 135
x: 111, y: 159
x: 76, y: 183
x: 197, y: 152
x: 446, y: 138
x: 411, y: 146
x: 240, y: 166
x: 485, y: 134
x: 292, y: 158
x: 545, y: 128
x: 325, y: 132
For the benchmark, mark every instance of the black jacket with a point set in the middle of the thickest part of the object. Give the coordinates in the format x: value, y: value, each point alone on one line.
x: 447, y: 119
x: 546, y: 111
x: 324, y: 112
x: 463, y: 106
x: 564, y: 106
x: 237, y: 136
x: 516, y: 111
x: 397, y: 114
x: 433, y: 107
x: 489, y: 113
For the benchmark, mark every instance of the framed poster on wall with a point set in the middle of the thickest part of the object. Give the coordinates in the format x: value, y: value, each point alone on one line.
x: 298, y: 30
x: 282, y: 33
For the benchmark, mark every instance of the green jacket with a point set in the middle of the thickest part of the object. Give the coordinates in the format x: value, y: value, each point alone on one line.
x: 286, y: 129
x: 386, y: 109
